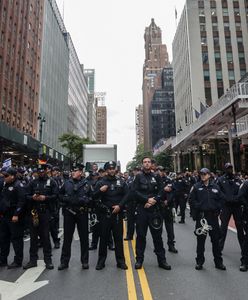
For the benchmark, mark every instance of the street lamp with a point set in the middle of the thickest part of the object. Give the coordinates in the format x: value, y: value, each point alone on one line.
x: 42, y: 120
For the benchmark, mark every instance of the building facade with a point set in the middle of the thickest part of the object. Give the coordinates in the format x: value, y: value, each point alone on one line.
x: 89, y: 75
x: 54, y: 78
x: 162, y: 114
x: 21, y: 25
x: 139, y: 125
x: 101, y: 119
x: 156, y: 58
x: 77, y: 93
x: 209, y: 55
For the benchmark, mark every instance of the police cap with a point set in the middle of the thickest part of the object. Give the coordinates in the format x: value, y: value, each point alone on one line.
x: 11, y: 171
x: 109, y: 165
x: 228, y: 165
x: 78, y: 167
x: 204, y: 171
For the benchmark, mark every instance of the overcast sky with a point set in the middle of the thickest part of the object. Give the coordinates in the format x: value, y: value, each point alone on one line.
x: 109, y: 37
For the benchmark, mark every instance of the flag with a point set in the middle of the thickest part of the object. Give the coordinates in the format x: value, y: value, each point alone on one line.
x: 203, y: 108
x: 197, y: 114
x: 7, y: 163
x: 42, y: 161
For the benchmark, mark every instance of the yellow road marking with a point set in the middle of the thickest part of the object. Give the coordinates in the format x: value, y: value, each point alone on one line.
x: 143, y: 280
x: 129, y: 272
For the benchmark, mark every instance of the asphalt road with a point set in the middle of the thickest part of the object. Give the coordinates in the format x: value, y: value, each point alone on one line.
x: 182, y: 282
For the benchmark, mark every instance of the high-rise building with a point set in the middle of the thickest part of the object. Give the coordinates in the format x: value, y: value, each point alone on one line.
x: 20, y: 58
x: 77, y: 93
x: 163, y: 109
x: 101, y: 119
x: 209, y: 54
x: 54, y: 77
x: 139, y: 124
x: 89, y: 75
x: 156, y: 58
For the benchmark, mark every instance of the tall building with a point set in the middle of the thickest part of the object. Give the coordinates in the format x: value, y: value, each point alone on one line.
x: 209, y: 54
x: 139, y: 124
x: 77, y: 93
x: 20, y: 58
x: 101, y: 119
x: 156, y: 58
x: 163, y: 109
x: 89, y: 75
x: 54, y: 77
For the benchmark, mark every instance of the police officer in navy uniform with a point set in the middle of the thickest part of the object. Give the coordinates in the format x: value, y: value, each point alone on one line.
x: 12, y: 205
x: 113, y: 194
x: 131, y: 206
x: 75, y: 198
x: 180, y: 187
x: 54, y: 222
x: 41, y: 193
x: 229, y: 185
x: 167, y: 205
x: 206, y: 201
x: 147, y: 187
x: 243, y: 197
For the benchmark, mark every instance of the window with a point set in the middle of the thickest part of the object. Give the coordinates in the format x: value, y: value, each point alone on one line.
x: 215, y: 26
x: 229, y: 57
x: 205, y: 57
x: 219, y: 75
x: 213, y: 12
x: 217, y: 57
x: 236, y: 12
x: 216, y: 41
x: 203, y: 41
x: 206, y: 75
x: 240, y: 40
x: 226, y: 26
x: 231, y: 75
x: 225, y: 12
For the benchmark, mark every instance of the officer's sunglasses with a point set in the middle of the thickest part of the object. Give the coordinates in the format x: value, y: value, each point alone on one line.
x: 6, y: 175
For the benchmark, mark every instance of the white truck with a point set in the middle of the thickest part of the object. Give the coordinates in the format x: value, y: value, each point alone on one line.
x: 99, y: 154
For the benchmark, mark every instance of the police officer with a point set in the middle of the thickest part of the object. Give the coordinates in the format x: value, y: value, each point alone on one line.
x: 230, y: 185
x: 54, y: 222
x: 113, y: 194
x: 180, y: 193
x: 12, y: 204
x: 206, y: 201
x: 131, y: 206
x: 243, y: 197
x: 167, y: 205
x: 42, y: 192
x: 75, y: 199
x: 147, y: 187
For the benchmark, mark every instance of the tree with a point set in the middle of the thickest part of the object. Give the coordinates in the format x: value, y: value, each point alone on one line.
x: 162, y: 159
x: 74, y: 145
x: 139, y: 155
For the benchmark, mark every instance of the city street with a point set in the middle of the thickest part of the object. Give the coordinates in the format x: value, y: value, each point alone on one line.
x: 182, y: 282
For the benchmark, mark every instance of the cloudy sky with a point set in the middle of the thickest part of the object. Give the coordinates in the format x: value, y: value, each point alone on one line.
x: 108, y: 37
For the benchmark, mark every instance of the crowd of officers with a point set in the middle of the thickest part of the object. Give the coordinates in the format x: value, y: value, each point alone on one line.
x: 147, y: 197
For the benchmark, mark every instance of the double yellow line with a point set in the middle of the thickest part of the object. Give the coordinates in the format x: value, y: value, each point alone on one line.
x: 132, y: 294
